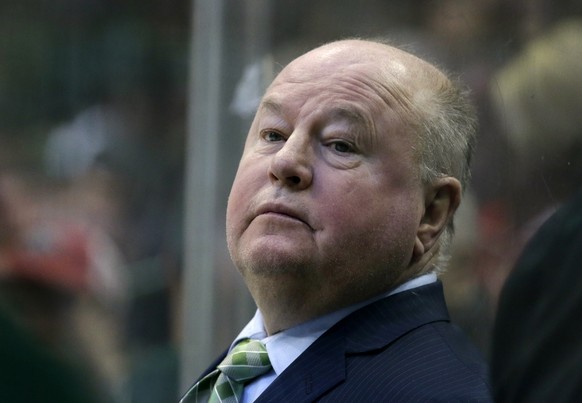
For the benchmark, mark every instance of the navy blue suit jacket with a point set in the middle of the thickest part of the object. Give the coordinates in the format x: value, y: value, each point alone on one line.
x: 399, y: 349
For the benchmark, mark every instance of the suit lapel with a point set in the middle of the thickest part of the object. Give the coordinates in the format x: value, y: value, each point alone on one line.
x: 380, y: 323
x: 322, y: 366
x: 318, y: 369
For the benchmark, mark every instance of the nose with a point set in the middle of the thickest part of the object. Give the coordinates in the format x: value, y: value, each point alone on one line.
x: 292, y: 166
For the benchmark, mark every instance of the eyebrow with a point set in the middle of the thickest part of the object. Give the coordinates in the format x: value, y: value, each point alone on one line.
x: 271, y: 105
x: 352, y: 114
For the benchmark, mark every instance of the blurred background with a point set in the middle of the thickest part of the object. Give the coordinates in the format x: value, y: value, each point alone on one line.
x: 121, y: 125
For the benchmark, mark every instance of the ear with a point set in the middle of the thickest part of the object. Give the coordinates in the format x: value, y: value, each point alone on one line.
x: 442, y: 198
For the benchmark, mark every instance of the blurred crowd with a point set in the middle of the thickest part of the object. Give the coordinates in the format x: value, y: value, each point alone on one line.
x: 92, y: 132
x: 92, y: 105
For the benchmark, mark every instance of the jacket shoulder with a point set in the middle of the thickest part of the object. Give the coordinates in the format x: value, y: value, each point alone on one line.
x: 435, y: 362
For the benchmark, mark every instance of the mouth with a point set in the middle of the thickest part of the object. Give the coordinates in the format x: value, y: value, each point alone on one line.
x: 284, y: 212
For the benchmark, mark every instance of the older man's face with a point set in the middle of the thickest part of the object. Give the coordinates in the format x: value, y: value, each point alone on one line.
x: 327, y: 192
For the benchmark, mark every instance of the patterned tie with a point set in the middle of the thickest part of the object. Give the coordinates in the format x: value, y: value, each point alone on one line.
x: 247, y: 360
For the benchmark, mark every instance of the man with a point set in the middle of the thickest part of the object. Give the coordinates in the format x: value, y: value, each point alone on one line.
x: 350, y: 176
x: 536, y: 351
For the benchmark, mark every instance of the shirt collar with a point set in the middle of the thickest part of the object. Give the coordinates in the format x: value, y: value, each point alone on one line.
x: 284, y: 347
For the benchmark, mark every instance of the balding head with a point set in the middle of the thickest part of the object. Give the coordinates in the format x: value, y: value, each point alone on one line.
x: 434, y: 108
x: 334, y: 200
x: 402, y: 79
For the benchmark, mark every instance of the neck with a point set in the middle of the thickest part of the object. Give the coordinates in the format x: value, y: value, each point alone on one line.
x: 284, y: 306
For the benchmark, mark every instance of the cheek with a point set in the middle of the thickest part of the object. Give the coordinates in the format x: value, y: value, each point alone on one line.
x: 238, y: 201
x: 363, y: 227
x: 245, y: 187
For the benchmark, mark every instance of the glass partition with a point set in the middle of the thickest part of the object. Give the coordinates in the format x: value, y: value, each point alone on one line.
x: 121, y: 126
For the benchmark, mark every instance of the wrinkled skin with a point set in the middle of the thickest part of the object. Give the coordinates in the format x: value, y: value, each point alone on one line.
x: 327, y: 208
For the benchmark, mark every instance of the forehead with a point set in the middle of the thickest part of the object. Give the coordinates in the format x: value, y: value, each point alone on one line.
x: 346, y: 100
x: 350, y: 87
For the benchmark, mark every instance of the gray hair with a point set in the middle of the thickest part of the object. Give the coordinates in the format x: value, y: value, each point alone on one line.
x: 446, y: 125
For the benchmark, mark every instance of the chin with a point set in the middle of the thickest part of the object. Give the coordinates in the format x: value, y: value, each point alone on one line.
x: 271, y: 253
x: 271, y: 262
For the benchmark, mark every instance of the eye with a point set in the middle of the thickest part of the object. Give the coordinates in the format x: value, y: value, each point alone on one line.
x: 272, y: 136
x: 342, y: 147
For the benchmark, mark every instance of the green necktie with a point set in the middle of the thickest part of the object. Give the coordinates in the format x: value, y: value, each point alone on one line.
x: 247, y: 360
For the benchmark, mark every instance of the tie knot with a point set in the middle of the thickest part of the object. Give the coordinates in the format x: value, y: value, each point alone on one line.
x: 247, y: 360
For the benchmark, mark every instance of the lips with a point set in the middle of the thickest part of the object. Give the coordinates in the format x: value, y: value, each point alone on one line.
x: 282, y: 210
